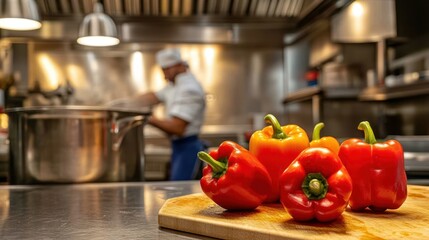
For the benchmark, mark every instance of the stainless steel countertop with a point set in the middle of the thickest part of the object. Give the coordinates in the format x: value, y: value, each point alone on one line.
x: 89, y: 211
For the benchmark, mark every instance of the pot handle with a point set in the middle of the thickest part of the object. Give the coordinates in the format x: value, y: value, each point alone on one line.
x: 122, y: 126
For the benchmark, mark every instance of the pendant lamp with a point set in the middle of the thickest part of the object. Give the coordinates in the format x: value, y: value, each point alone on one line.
x: 19, y: 15
x: 98, y: 29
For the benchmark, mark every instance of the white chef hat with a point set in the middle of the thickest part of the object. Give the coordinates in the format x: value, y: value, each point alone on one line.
x: 168, y: 57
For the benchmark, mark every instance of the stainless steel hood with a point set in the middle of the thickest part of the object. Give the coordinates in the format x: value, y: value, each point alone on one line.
x: 246, y: 22
x: 182, y: 8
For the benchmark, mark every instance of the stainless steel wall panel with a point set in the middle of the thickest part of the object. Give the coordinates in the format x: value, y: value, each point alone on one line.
x: 239, y: 81
x: 172, y: 34
x: 56, y: 30
x: 296, y: 64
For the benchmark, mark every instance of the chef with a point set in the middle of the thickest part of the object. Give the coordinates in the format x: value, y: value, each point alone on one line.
x: 184, y: 100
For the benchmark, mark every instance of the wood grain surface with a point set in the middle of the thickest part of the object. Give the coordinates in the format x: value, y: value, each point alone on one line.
x: 198, y: 214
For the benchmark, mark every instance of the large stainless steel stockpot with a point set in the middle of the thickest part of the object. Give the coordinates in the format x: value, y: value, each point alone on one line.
x: 74, y: 144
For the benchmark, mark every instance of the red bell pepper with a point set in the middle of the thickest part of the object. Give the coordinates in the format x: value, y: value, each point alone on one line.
x: 276, y: 147
x: 234, y: 179
x: 377, y: 171
x: 315, y: 185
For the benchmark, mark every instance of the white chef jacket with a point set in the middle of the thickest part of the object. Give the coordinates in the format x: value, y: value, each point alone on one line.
x: 184, y: 99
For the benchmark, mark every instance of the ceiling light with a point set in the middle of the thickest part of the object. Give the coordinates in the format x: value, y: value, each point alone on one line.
x: 98, y: 29
x: 19, y: 15
x: 357, y: 9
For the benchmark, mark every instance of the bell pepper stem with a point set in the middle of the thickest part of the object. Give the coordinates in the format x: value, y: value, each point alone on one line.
x: 316, y: 131
x: 369, y: 133
x: 277, y: 129
x: 218, y: 167
x: 315, y: 186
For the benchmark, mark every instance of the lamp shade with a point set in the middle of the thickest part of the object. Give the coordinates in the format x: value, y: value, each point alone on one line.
x: 98, y: 29
x: 19, y: 15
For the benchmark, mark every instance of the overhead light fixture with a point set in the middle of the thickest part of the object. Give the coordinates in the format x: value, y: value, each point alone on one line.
x: 98, y: 29
x: 19, y: 15
x: 357, y: 9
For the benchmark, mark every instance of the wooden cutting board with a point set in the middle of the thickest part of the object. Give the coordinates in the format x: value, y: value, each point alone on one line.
x: 198, y: 214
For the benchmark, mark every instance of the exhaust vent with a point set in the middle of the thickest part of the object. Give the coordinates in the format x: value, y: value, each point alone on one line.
x: 181, y: 8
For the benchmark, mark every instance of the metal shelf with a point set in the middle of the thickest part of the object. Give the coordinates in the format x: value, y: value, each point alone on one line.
x: 418, y: 88
x: 327, y: 93
x: 302, y: 95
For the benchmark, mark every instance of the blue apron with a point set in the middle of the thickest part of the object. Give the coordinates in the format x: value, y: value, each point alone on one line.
x: 185, y: 163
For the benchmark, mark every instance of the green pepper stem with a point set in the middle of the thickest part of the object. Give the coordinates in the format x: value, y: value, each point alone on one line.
x: 369, y: 133
x: 316, y: 131
x: 277, y: 129
x: 315, y: 187
x: 218, y: 167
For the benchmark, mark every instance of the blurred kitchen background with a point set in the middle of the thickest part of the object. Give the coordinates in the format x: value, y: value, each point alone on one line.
x: 305, y: 61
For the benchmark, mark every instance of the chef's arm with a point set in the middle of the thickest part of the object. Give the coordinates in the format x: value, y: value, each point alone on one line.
x: 171, y: 126
x: 146, y: 99
x: 142, y: 100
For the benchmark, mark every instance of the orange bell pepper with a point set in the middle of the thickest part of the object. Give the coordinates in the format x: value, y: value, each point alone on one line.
x: 327, y: 142
x: 276, y: 147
